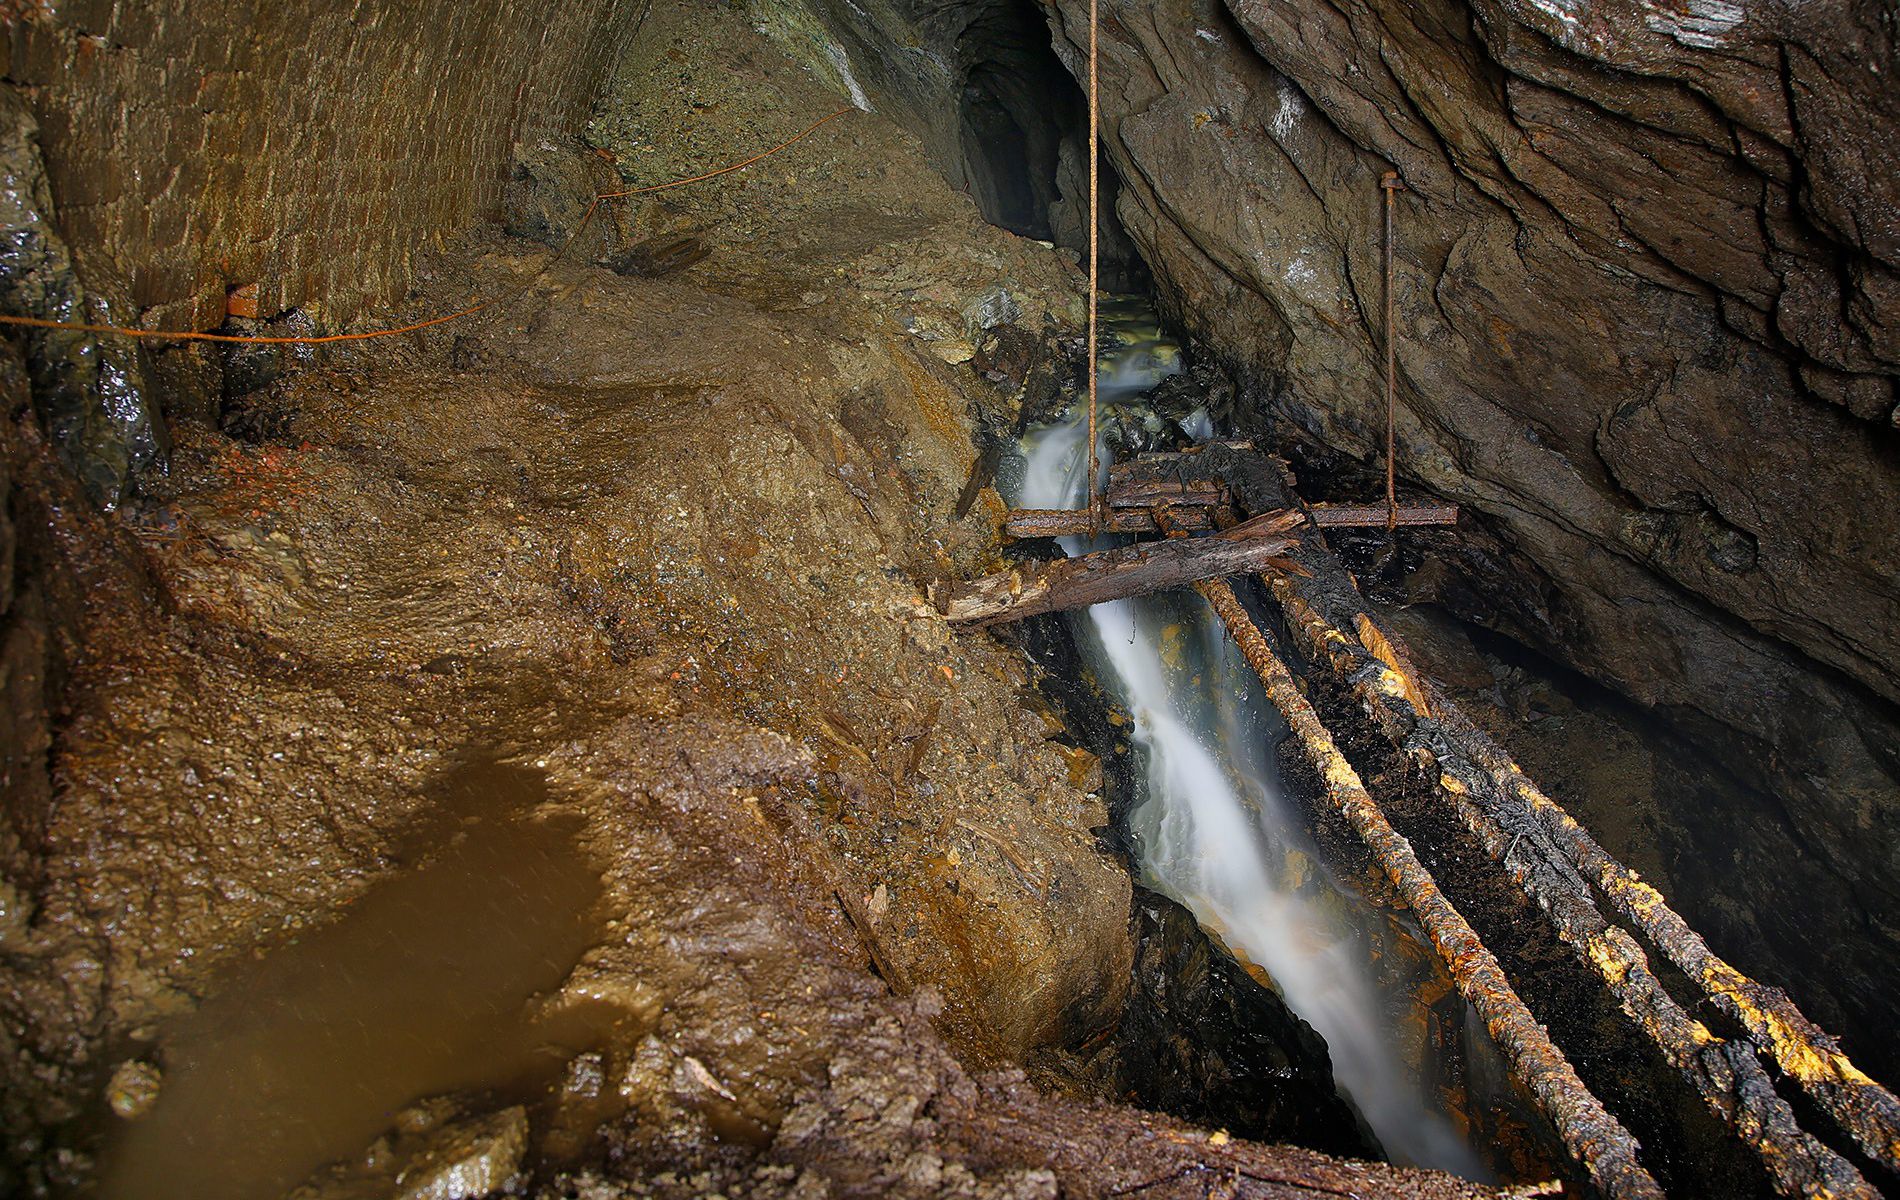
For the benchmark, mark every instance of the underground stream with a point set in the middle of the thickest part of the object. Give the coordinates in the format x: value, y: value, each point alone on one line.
x: 1207, y: 819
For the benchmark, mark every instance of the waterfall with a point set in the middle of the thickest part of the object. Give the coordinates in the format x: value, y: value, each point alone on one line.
x: 1209, y: 825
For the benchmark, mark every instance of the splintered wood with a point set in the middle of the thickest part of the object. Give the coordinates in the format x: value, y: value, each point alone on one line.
x: 1117, y: 574
x: 1577, y: 887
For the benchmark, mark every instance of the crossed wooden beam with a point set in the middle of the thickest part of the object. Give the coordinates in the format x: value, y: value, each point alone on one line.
x: 1595, y: 905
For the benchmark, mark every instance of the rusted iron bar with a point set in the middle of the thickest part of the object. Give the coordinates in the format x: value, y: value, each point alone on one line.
x: 1062, y: 522
x: 1729, y: 1077
x: 1249, y: 548
x: 1389, y: 183
x: 1598, y: 1141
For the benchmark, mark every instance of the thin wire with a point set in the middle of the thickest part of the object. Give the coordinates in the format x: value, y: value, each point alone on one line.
x: 323, y: 339
x: 1095, y: 111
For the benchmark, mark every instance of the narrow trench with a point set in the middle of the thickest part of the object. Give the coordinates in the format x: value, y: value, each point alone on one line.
x: 1205, y: 1035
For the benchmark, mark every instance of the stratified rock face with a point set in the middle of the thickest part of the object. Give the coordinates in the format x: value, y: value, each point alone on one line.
x: 1647, y: 328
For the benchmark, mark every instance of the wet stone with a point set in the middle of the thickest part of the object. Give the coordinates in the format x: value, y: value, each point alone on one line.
x: 134, y: 1088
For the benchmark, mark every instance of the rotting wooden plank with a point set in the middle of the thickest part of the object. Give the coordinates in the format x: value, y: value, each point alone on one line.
x: 1064, y: 522
x: 1067, y: 522
x: 1865, y: 1111
x: 1249, y: 548
x: 1595, y: 1139
x: 1805, y: 1052
x: 1729, y: 1077
x: 1145, y: 493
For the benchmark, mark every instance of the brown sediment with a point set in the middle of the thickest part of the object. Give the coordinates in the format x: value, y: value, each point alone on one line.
x: 661, y: 543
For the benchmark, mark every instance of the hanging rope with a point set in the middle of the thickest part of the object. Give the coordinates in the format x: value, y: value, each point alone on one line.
x: 495, y: 302
x: 1095, y: 119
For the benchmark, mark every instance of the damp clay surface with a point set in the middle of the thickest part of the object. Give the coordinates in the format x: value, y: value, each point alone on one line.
x: 528, y: 758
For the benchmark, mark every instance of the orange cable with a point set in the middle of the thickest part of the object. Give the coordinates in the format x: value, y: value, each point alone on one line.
x: 195, y: 336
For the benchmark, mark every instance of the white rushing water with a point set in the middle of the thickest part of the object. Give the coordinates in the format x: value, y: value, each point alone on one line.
x: 1211, y: 829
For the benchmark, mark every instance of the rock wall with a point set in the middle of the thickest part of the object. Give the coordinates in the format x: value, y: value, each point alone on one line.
x: 302, y: 149
x: 1648, y: 262
x: 1648, y: 265
x: 977, y: 82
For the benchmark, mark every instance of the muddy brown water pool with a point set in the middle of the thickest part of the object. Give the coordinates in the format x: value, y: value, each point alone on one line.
x: 423, y: 987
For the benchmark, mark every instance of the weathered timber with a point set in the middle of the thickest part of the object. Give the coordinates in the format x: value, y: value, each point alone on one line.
x: 1595, y: 1139
x: 1729, y: 1077
x: 1105, y: 575
x: 1804, y: 1052
x: 1145, y: 493
x: 1066, y: 522
x: 1063, y: 522
x: 1567, y: 860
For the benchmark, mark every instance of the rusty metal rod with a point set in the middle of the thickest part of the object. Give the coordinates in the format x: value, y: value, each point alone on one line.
x: 1729, y: 1077
x: 1059, y: 522
x: 1095, y: 266
x: 1388, y: 184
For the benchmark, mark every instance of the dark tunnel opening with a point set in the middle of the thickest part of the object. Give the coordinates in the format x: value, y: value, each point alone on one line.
x: 1023, y: 129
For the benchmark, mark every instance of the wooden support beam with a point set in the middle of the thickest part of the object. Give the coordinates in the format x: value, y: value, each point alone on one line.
x: 1146, y: 493
x: 1728, y: 1076
x: 1556, y: 862
x: 1597, y: 1140
x: 1248, y: 548
x: 1062, y: 522
x: 1776, y: 1029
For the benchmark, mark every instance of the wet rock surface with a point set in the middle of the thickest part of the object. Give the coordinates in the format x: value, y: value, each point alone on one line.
x: 1202, y: 1039
x: 664, y: 545
x: 90, y: 392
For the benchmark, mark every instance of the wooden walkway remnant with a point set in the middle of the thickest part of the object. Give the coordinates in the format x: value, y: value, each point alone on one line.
x: 1251, y: 546
x: 1593, y: 904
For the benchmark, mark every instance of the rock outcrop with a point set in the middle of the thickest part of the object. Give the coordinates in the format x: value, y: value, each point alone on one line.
x: 1645, y: 282
x: 90, y: 391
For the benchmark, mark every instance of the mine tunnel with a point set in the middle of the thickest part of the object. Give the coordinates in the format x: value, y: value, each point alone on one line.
x: 978, y: 598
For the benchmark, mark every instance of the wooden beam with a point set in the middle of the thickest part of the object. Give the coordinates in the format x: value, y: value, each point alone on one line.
x: 1597, y: 1140
x: 1062, y: 522
x: 1557, y: 864
x: 1475, y: 780
x: 1251, y: 547
x: 1373, y: 516
x: 1146, y: 493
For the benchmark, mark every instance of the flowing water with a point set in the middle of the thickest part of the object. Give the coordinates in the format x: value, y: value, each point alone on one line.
x: 1210, y: 827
